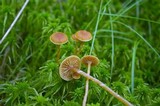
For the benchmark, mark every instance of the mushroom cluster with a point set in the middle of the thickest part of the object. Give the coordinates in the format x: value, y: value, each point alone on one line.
x: 72, y: 65
x: 60, y: 38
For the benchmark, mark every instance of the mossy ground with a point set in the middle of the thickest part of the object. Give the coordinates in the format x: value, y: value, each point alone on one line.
x: 125, y: 39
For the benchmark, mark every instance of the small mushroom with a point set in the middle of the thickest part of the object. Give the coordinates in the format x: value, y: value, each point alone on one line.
x: 72, y: 65
x: 74, y: 38
x: 58, y: 38
x: 65, y: 69
x: 89, y: 61
x: 81, y: 36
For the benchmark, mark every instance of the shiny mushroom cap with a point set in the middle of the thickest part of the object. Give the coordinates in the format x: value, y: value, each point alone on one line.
x: 59, y: 38
x: 65, y: 69
x: 83, y: 36
x: 90, y: 59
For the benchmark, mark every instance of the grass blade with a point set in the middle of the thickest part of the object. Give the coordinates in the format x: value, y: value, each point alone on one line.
x: 133, y: 66
x: 98, y: 19
x: 112, y: 36
x: 14, y: 22
x: 140, y: 37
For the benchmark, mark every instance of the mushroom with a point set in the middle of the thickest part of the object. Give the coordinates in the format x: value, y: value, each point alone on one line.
x: 89, y: 61
x: 72, y: 65
x: 67, y: 65
x: 81, y: 36
x: 74, y: 38
x: 58, y: 38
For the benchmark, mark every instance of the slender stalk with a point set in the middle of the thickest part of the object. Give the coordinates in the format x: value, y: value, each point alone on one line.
x: 105, y: 87
x: 112, y: 35
x: 137, y: 9
x: 87, y: 85
x: 14, y: 22
x: 133, y: 66
x: 80, y: 48
x: 58, y: 53
x: 96, y: 27
x: 129, y: 27
x: 76, y: 48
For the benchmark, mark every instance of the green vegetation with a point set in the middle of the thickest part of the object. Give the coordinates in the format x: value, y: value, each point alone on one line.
x: 125, y: 39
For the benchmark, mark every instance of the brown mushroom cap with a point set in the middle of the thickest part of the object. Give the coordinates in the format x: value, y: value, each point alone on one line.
x: 59, y: 38
x: 65, y: 69
x: 83, y: 36
x: 89, y: 58
x: 74, y: 37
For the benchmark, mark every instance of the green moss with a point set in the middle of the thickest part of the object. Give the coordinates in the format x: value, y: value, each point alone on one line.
x: 28, y: 68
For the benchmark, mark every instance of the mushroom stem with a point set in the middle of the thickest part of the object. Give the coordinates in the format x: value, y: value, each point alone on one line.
x: 76, y: 49
x: 80, y: 48
x: 58, y: 53
x: 105, y: 87
x: 87, y: 85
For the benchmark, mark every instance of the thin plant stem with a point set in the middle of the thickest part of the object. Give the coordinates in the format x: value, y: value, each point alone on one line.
x: 14, y: 22
x: 123, y: 11
x: 87, y: 85
x: 112, y: 35
x: 105, y: 87
x: 149, y: 28
x: 96, y: 27
x: 76, y: 47
x: 133, y: 66
x: 58, y: 53
x: 80, y: 48
x: 137, y: 9
x: 154, y: 50
x: 131, y: 17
